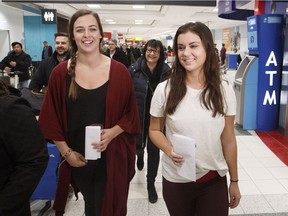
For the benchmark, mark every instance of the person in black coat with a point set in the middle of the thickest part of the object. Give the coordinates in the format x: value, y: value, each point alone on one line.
x: 17, y: 60
x: 116, y: 53
x: 47, y: 50
x: 23, y: 154
x: 135, y: 53
x: 40, y: 79
x: 147, y: 72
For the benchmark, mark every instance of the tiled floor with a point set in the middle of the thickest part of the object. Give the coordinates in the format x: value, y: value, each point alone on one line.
x: 263, y: 180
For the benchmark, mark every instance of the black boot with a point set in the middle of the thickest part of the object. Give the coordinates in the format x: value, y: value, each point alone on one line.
x: 140, y: 162
x: 152, y: 194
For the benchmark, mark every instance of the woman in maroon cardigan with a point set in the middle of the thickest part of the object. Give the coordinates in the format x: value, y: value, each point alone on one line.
x: 92, y: 88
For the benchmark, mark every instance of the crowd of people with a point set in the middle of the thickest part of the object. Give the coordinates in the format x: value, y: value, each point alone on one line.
x: 141, y: 103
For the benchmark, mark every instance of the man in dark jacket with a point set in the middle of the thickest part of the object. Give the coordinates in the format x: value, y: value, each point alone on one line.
x: 17, y: 61
x: 147, y: 72
x: 47, y: 50
x: 40, y: 79
x: 135, y: 53
x: 116, y: 53
x: 23, y: 154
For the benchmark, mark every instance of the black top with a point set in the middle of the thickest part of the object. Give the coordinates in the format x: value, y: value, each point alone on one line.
x: 23, y: 155
x: 88, y: 109
x: 23, y: 61
x: 41, y: 77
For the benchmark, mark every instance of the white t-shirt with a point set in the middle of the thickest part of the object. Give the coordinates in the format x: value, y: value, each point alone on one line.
x: 195, y: 121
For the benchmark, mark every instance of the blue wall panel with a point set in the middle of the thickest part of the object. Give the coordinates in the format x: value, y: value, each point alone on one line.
x: 35, y: 34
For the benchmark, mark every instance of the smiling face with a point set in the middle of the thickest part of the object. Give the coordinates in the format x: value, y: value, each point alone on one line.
x: 87, y: 34
x: 152, y: 55
x: 62, y: 45
x: 191, y: 52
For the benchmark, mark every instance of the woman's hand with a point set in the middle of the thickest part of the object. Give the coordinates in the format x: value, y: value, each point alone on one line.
x: 176, y: 158
x: 75, y: 159
x: 106, y: 136
x: 235, y: 195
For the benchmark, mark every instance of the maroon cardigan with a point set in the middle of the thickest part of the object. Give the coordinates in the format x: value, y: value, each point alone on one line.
x: 121, y: 109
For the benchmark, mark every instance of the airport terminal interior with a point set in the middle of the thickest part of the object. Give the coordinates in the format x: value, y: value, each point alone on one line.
x: 262, y: 150
x: 263, y: 179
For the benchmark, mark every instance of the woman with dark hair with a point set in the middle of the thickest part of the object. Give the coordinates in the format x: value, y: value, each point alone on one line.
x: 200, y: 107
x: 23, y: 153
x: 85, y: 90
x: 147, y: 72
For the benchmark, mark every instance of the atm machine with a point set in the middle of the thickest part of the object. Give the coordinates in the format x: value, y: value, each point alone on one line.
x: 245, y: 87
x: 258, y: 78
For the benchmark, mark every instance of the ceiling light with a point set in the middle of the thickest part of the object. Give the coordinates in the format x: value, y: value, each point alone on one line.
x: 109, y: 20
x: 215, y: 10
x: 112, y: 23
x: 138, y: 6
x: 94, y: 6
x: 139, y: 21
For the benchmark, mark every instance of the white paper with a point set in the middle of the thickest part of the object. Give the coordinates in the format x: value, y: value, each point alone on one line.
x: 92, y: 134
x: 185, y: 146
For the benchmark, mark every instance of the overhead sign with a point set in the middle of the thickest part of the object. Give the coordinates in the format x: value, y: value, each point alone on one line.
x: 229, y: 9
x: 210, y: 3
x: 49, y: 16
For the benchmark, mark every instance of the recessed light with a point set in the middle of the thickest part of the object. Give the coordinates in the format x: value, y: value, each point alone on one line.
x: 109, y: 20
x: 112, y: 23
x: 94, y: 6
x: 138, y: 6
x: 138, y: 20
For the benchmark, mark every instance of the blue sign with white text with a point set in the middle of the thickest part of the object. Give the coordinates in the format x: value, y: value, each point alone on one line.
x: 269, y: 48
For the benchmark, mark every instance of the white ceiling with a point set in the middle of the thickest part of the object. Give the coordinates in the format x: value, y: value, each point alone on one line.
x: 158, y: 20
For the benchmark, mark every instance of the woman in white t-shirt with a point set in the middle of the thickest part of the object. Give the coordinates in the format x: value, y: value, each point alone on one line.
x: 196, y: 104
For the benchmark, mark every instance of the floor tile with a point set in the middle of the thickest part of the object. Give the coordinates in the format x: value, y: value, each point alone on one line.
x: 248, y: 188
x: 279, y: 172
x: 270, y: 186
x: 278, y: 202
x: 255, y: 204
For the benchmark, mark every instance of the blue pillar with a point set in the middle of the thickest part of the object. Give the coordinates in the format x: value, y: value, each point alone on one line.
x: 268, y: 39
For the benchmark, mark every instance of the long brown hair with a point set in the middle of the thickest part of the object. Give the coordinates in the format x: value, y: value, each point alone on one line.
x: 74, y: 48
x: 211, y: 97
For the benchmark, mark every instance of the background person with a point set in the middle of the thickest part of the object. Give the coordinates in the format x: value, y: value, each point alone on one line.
x: 23, y: 154
x: 47, y: 50
x: 17, y: 60
x: 135, y: 52
x: 116, y: 53
x: 147, y: 72
x: 127, y: 52
x: 85, y: 90
x: 217, y: 52
x: 223, y: 54
x: 195, y: 102
x: 40, y: 79
x: 239, y: 58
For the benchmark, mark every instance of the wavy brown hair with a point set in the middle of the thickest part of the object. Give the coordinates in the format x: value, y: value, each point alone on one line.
x: 211, y: 97
x: 74, y: 48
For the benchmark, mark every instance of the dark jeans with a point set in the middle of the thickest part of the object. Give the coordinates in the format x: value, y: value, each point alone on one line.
x: 91, y: 182
x: 153, y: 157
x: 197, y: 199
